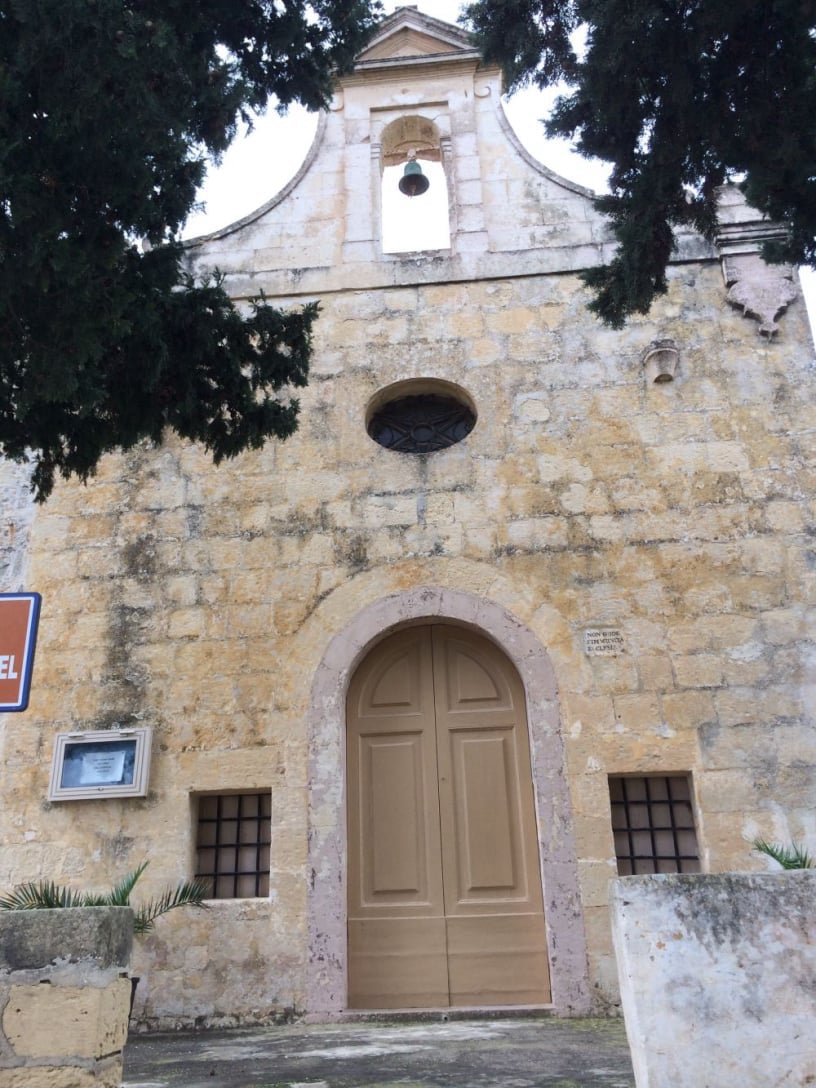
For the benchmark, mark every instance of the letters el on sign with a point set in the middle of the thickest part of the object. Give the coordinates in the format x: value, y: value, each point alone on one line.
x: 19, y: 616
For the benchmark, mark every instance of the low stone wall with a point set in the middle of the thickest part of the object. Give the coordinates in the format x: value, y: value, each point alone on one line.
x: 718, y: 978
x: 64, y: 997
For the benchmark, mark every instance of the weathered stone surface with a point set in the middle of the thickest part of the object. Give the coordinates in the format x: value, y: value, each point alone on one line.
x: 67, y: 1022
x: 16, y: 516
x: 64, y: 996
x: 105, y: 1074
x: 227, y: 606
x: 380, y: 1053
x: 716, y: 977
x: 31, y: 940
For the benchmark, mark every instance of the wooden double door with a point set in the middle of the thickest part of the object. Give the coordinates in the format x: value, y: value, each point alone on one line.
x: 444, y: 903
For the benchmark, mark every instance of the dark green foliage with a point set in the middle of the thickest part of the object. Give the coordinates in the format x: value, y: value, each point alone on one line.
x: 529, y: 38
x: 679, y: 96
x: 107, y: 110
x: 46, y: 895
x: 790, y: 857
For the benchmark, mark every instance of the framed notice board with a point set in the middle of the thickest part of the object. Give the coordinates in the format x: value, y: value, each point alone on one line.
x: 101, y: 763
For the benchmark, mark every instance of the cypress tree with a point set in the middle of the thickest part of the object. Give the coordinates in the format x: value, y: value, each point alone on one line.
x: 679, y: 96
x: 108, y: 109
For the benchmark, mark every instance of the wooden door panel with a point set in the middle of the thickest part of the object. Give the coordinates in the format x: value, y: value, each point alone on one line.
x: 490, y: 845
x: 469, y: 683
x: 392, y: 829
x: 398, y: 966
x: 395, y: 680
x: 484, y: 833
x: 497, y: 942
x: 472, y: 680
x: 396, y: 925
x: 445, y: 901
x: 396, y: 687
x: 395, y: 866
x: 498, y: 960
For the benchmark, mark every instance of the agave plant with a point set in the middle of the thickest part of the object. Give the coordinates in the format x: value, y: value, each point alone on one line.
x: 46, y: 895
x: 794, y: 856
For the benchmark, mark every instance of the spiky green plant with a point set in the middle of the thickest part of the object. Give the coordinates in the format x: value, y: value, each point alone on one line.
x: 794, y: 856
x: 46, y: 895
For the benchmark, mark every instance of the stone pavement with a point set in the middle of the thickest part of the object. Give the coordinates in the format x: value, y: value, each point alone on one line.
x: 495, y: 1053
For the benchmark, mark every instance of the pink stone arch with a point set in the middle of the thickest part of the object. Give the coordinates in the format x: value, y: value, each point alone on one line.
x: 326, y: 724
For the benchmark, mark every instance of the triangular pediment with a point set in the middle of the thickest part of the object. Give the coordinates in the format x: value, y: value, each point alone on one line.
x: 408, y: 33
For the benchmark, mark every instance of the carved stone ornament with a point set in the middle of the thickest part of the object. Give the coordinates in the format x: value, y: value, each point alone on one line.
x: 762, y: 291
x: 660, y: 361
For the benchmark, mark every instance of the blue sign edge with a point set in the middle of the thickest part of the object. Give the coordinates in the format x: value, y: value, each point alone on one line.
x: 30, y: 648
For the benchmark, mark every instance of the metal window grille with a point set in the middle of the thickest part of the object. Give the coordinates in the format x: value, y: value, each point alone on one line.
x: 421, y: 424
x: 234, y: 833
x: 653, y: 825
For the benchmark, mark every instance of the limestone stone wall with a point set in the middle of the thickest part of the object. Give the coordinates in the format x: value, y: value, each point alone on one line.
x: 200, y: 601
x: 64, y: 997
x: 16, y: 515
x: 209, y: 602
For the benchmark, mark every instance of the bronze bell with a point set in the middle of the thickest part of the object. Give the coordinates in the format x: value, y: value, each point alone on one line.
x: 413, y: 182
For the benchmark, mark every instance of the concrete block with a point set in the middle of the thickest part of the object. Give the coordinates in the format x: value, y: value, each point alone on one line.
x: 716, y: 975
x: 35, y: 940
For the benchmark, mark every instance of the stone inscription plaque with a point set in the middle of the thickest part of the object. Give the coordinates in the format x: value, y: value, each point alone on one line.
x: 603, y: 642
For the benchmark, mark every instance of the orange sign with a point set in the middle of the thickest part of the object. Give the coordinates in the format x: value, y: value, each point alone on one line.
x: 19, y: 615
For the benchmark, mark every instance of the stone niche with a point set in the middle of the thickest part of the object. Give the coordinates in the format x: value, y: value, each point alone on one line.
x: 64, y: 996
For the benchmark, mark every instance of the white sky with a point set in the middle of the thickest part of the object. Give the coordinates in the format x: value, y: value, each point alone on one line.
x: 258, y: 165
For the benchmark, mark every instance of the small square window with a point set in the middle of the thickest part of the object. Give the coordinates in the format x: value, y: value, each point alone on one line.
x: 653, y: 825
x: 232, y: 844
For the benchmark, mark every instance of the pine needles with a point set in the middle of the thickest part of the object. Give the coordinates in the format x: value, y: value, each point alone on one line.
x: 47, y: 895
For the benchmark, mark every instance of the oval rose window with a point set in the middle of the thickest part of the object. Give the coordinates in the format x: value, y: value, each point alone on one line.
x: 420, y: 417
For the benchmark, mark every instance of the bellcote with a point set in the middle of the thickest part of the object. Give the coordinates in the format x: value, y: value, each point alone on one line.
x: 420, y: 92
x: 410, y: 37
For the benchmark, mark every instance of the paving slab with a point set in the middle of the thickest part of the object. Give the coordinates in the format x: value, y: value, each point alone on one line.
x: 500, y: 1053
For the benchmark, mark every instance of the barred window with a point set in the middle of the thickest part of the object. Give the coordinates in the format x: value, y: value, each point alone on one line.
x: 420, y: 415
x: 421, y: 424
x: 653, y: 824
x: 232, y: 844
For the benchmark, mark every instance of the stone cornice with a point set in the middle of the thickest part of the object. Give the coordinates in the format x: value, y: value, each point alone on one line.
x: 396, y: 68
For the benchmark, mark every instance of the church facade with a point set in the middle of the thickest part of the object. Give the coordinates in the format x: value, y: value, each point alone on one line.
x: 525, y: 603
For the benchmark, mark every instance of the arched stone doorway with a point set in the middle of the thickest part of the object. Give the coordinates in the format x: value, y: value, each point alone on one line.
x: 444, y: 885
x: 327, y: 967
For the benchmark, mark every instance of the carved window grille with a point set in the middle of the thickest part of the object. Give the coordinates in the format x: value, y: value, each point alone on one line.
x: 653, y: 825
x: 423, y: 423
x: 234, y: 834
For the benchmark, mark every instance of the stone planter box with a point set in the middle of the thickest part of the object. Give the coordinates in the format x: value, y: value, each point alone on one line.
x: 718, y: 978
x: 64, y: 996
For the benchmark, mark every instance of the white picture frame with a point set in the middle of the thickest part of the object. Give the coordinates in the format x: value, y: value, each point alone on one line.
x: 98, y: 764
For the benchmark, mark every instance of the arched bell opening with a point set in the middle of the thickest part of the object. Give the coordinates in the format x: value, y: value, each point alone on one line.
x: 415, y: 199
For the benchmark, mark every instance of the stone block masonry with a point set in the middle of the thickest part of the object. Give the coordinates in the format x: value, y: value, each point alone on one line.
x: 642, y: 552
x: 64, y: 997
x: 204, y: 609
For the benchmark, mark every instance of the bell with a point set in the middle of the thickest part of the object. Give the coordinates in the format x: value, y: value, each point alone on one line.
x: 413, y: 182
